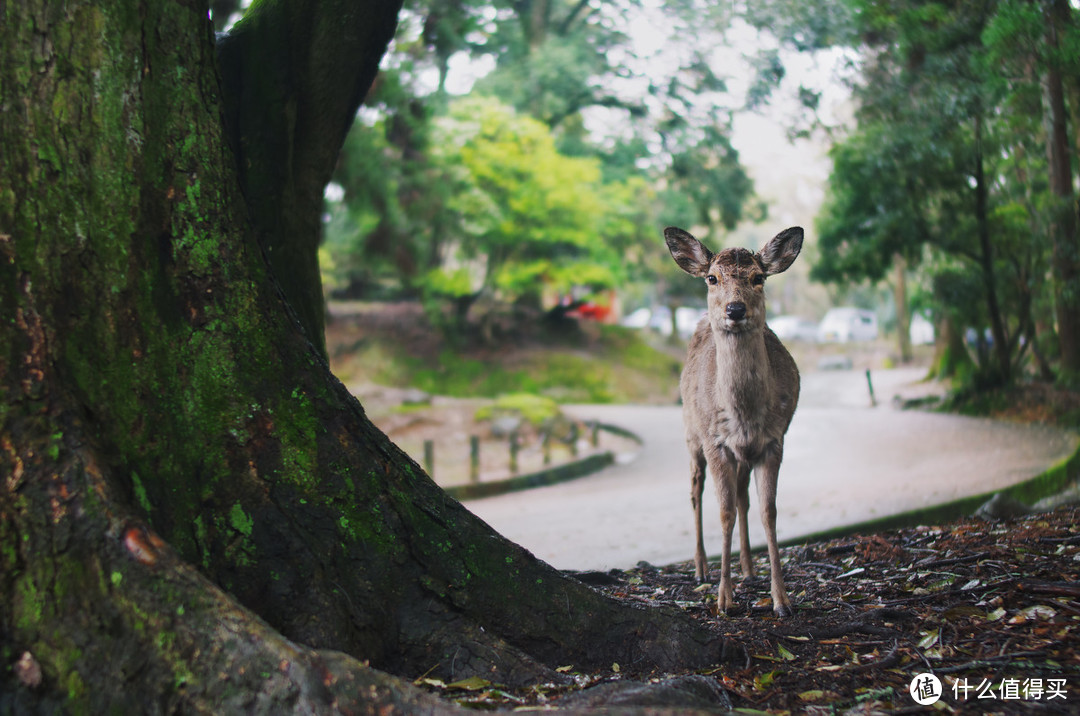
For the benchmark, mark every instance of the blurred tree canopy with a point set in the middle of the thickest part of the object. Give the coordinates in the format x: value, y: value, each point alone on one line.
x: 513, y: 193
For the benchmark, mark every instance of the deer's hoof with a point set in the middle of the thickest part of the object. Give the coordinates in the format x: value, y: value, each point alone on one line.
x: 783, y: 611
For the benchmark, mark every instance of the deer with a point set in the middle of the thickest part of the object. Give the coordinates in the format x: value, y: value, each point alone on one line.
x: 739, y: 390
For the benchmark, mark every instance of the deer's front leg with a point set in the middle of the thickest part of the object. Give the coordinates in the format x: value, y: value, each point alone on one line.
x: 697, y: 487
x: 723, y: 466
x: 745, y: 560
x: 766, y: 477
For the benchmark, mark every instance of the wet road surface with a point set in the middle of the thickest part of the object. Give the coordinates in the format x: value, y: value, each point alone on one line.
x: 845, y: 462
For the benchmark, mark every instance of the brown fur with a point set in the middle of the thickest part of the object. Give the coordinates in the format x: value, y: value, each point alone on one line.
x: 739, y: 388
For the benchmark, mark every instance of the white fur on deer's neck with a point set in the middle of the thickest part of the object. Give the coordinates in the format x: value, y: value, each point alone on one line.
x: 744, y: 391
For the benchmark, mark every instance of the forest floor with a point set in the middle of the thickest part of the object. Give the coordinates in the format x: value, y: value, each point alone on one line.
x: 991, y: 609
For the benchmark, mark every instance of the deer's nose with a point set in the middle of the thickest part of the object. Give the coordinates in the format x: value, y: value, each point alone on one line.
x: 736, y: 311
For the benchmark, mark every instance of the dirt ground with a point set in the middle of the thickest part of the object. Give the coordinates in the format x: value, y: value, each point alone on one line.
x: 991, y: 609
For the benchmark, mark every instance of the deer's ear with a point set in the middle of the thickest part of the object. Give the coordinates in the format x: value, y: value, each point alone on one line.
x: 688, y: 252
x: 782, y: 250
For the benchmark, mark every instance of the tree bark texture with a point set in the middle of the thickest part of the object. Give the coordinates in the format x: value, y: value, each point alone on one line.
x: 986, y: 258
x: 293, y: 75
x: 162, y: 408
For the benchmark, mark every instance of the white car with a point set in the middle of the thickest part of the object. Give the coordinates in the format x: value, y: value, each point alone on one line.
x: 921, y: 331
x: 793, y: 328
x: 843, y: 325
x: 637, y: 319
x: 659, y: 320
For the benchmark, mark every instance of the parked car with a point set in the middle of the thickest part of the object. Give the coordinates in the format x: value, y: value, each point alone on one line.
x: 687, y: 319
x: 637, y: 319
x: 846, y: 324
x: 794, y: 328
x: 921, y: 330
x: 659, y: 319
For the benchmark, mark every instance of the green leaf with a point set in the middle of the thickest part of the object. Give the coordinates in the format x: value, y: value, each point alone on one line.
x: 473, y: 683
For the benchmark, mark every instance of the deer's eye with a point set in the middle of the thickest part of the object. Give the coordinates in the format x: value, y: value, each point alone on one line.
x: 758, y: 280
x: 712, y: 280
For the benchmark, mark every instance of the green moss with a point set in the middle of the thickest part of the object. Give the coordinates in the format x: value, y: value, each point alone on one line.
x: 140, y: 493
x: 30, y: 605
x: 240, y: 520
x: 299, y: 433
x: 75, y: 688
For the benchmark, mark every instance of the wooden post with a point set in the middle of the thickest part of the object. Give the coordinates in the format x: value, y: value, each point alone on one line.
x: 429, y: 457
x: 870, y: 385
x: 574, y: 432
x: 474, y: 458
x: 545, y: 443
x: 514, y: 452
x: 594, y: 433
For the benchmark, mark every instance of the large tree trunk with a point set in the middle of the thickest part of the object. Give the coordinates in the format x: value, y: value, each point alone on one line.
x: 293, y: 75
x: 162, y: 408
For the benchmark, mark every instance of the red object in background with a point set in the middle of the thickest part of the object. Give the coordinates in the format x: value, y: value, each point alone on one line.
x: 591, y: 311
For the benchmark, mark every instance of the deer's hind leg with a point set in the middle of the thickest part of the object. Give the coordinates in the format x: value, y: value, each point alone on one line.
x: 697, y: 487
x: 743, y: 487
x: 766, y: 475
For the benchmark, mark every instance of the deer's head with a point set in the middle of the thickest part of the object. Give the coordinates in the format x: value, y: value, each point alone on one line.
x: 735, y: 277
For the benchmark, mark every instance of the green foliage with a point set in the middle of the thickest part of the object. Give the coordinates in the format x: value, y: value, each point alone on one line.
x: 534, y: 409
x: 515, y: 199
x: 524, y: 217
x: 947, y: 166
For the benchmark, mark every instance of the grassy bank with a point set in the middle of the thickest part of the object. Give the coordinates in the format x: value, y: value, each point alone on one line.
x: 395, y: 345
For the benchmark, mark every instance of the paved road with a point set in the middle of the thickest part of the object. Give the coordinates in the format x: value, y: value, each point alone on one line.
x: 844, y: 463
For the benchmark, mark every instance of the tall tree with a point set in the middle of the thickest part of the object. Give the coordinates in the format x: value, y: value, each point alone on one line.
x: 195, y: 514
x: 1066, y: 253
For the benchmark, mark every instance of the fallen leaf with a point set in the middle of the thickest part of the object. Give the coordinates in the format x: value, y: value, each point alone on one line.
x: 963, y: 611
x: 784, y: 653
x: 564, y: 669
x: 473, y: 683
x: 765, y: 681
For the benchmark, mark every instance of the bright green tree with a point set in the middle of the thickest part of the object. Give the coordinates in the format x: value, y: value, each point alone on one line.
x: 525, y: 217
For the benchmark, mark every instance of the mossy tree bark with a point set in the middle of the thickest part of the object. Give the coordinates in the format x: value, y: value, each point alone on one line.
x: 193, y: 510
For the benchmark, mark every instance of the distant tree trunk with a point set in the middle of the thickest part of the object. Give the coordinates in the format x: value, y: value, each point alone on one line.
x: 1063, y: 227
x: 195, y: 515
x: 986, y: 259
x: 951, y: 358
x: 903, y: 315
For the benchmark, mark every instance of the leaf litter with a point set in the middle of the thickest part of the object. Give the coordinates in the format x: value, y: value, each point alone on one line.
x: 992, y: 609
